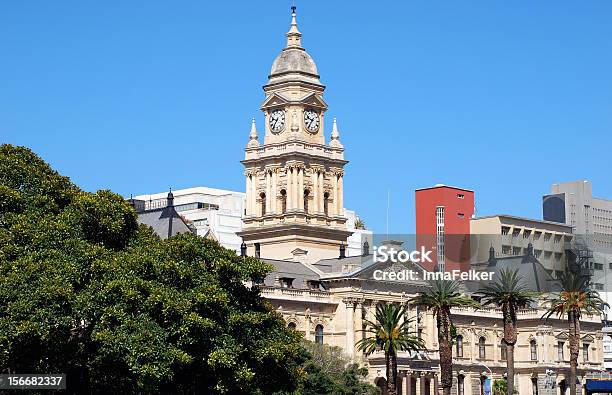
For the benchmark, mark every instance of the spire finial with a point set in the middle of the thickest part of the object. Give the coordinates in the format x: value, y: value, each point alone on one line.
x: 253, y: 138
x: 293, y: 35
x: 335, y: 135
x: 253, y: 134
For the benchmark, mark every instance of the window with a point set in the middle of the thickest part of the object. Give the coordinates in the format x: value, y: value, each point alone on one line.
x: 283, y: 201
x: 459, y: 346
x: 460, y: 196
x: 286, y: 282
x: 598, y: 286
x: 312, y: 284
x: 505, y: 230
x: 504, y: 350
x: 598, y: 266
x: 506, y: 250
x: 482, y: 352
x: 440, y: 237
x: 460, y: 215
x: 516, y: 251
x: 585, y: 352
x: 291, y: 325
x: 326, y: 203
x: 460, y: 385
x: 319, y: 334
x: 560, y: 350
x: 306, y: 193
x: 610, y: 265
x: 533, y: 347
x: 516, y: 232
x: 263, y: 203
x: 534, y: 386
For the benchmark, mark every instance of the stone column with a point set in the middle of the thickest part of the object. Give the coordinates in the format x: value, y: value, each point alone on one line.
x: 254, y: 193
x: 294, y: 197
x: 340, y: 200
x: 407, y: 385
x: 421, y: 388
x: 436, y: 384
x: 321, y: 193
x: 350, y: 330
x: 268, y: 191
x: 334, y: 207
x: 289, y: 188
x: 358, y: 320
x: 274, y: 197
x: 300, y: 194
x: 315, y: 191
x: 248, y: 194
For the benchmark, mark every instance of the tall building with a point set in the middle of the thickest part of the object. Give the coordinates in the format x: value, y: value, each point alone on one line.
x: 574, y: 204
x: 511, y: 236
x: 294, y: 180
x: 443, y: 225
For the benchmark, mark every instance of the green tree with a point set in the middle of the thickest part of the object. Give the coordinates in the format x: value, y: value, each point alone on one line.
x: 440, y: 298
x: 390, y: 332
x: 86, y: 291
x: 575, y: 298
x: 500, y: 387
x: 509, y: 294
x: 329, y: 372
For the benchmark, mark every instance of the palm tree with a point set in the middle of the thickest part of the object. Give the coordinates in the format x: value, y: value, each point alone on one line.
x: 509, y: 294
x: 390, y: 332
x: 574, y: 298
x: 440, y: 298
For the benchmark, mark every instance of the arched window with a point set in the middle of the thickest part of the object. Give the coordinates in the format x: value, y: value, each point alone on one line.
x: 459, y: 346
x: 482, y: 352
x: 326, y: 203
x: 504, y: 350
x: 460, y: 385
x: 291, y: 325
x: 533, y: 347
x: 306, y: 193
x: 283, y: 201
x: 319, y: 334
x: 263, y: 203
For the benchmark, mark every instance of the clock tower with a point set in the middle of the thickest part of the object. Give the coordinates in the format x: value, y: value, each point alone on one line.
x: 294, y: 180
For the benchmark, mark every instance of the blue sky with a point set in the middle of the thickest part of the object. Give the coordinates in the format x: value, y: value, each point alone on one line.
x: 501, y: 97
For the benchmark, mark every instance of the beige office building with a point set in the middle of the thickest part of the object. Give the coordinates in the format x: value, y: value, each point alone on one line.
x: 510, y: 236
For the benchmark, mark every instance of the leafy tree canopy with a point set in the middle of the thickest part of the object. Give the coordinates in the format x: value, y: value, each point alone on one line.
x: 86, y: 291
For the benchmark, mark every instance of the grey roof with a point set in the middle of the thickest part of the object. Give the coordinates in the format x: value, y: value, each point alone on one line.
x: 533, y: 275
x: 300, y: 272
x: 294, y: 60
x: 166, y: 222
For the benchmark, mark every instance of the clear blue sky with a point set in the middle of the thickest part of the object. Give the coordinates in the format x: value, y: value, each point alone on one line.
x: 501, y: 97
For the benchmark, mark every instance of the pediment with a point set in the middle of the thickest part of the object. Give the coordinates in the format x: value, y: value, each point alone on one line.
x: 275, y: 99
x: 314, y: 100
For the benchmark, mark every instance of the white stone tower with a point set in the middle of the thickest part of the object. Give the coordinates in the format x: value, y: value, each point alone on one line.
x: 294, y: 181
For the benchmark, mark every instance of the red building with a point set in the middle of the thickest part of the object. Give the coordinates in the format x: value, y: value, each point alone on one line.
x: 443, y: 225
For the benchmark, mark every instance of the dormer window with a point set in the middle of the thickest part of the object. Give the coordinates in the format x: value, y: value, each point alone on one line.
x: 286, y: 282
x: 313, y: 284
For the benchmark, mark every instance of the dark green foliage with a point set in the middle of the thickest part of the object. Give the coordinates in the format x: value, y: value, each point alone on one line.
x: 85, y: 291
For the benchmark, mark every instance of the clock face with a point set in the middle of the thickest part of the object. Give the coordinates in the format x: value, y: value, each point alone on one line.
x: 311, y: 120
x: 277, y: 120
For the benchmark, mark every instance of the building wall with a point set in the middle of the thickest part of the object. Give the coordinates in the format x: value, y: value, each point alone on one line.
x: 511, y: 235
x: 458, y: 205
x: 342, y: 310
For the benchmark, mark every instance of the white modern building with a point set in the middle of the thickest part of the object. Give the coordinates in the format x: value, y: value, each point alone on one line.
x: 215, y: 213
x: 218, y: 214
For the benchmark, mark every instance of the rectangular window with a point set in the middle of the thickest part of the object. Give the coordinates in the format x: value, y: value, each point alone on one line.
x: 505, y: 230
x: 598, y: 266
x: 585, y: 352
x: 560, y: 347
x: 506, y: 250
x: 440, y: 237
x: 460, y: 196
x: 460, y: 215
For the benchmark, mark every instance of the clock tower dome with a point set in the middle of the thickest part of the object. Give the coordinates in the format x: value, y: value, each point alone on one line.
x: 294, y: 180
